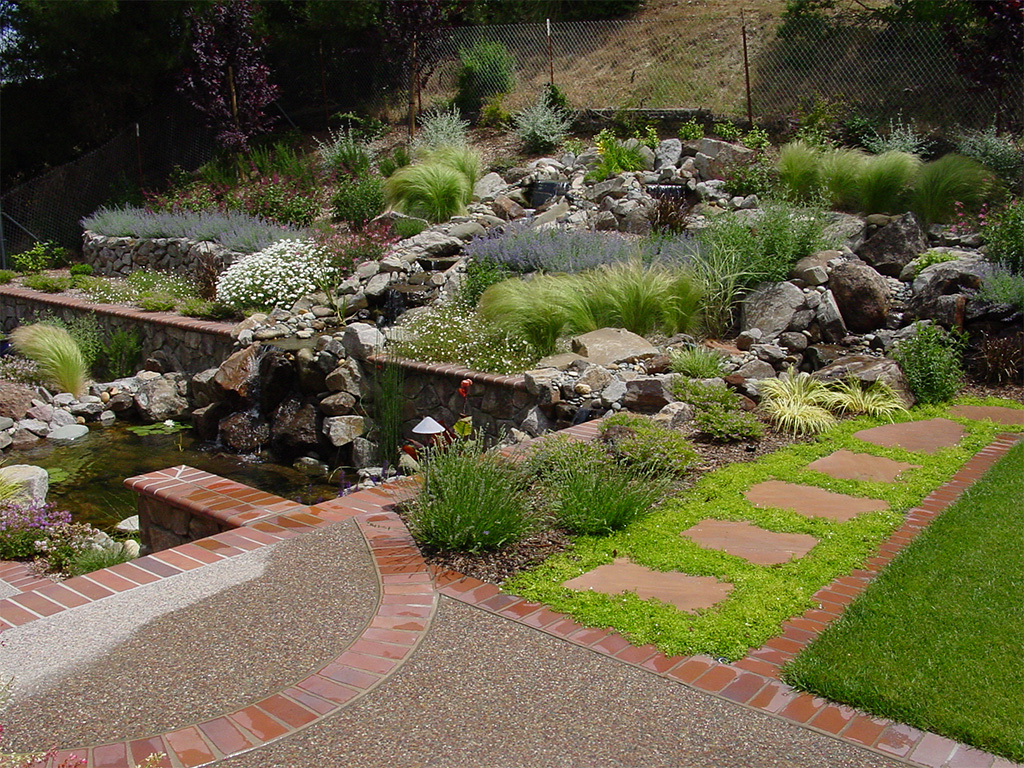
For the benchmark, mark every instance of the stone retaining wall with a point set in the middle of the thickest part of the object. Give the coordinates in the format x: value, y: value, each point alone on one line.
x: 175, y: 342
x: 122, y: 255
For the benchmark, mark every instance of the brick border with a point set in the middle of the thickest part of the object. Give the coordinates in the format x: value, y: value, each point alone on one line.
x: 753, y: 681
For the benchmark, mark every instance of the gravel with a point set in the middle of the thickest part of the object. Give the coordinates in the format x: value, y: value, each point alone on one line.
x: 205, y: 643
x: 484, y: 692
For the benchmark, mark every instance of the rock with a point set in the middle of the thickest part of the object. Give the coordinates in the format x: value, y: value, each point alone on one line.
x: 830, y: 320
x: 867, y: 370
x: 613, y: 393
x: 159, y: 400
x: 294, y: 426
x: 15, y: 400
x: 668, y: 153
x: 6, y: 422
x: 595, y: 377
x: 5, y: 441
x: 106, y: 418
x: 35, y: 426
x: 748, y: 338
x: 120, y: 402
x: 608, y: 346
x: 675, y: 415
x: 91, y: 410
x: 206, y: 420
x: 347, y: 377
x: 69, y: 433
x: 31, y: 482
x: 895, y: 245
x: 235, y: 375
x: 861, y: 294
x: 131, y: 548
x: 756, y: 369
x: 128, y: 525
x: 813, y: 269
x: 41, y: 411
x: 362, y: 340
x: 552, y: 214
x: 342, y: 430
x: 467, y: 230
x: 562, y: 361
x: 489, y: 187
x: 647, y: 394
x: 377, y: 285
x: 202, y: 389
x: 940, y: 291
x: 536, y: 422
x: 436, y: 244
x: 364, y: 453
x: 338, y: 404
x: 648, y: 157
x: 771, y: 308
x: 543, y: 384
x: 244, y: 432
x: 507, y: 209
x: 793, y: 342
x: 715, y: 156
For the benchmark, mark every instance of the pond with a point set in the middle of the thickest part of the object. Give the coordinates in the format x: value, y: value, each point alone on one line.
x: 86, y: 477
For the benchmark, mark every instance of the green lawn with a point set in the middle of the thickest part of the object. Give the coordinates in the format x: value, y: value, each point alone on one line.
x: 938, y: 640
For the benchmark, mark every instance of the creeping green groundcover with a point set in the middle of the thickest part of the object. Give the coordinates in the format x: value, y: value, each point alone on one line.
x: 763, y: 596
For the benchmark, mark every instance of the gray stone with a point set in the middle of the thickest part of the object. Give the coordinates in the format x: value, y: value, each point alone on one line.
x: 489, y: 186
x: 770, y: 353
x: 543, y: 384
x: 648, y: 156
x: 608, y: 346
x: 613, y: 393
x: 793, y: 341
x: 675, y: 415
x: 937, y: 287
x: 128, y: 525
x: 202, y: 389
x: 861, y: 294
x: 771, y: 308
x: 294, y: 425
x: 69, y: 433
x: 813, y: 269
x: 106, y: 418
x: 377, y: 285
x: 668, y: 153
x: 62, y: 418
x: 35, y: 426
x: 467, y: 231
x: 364, y: 453
x: 31, y: 482
x: 436, y: 244
x: 552, y: 214
x: 647, y: 394
x: 159, y: 400
x: 615, y: 187
x: 507, y: 209
x: 6, y: 422
x: 362, y: 340
x: 756, y: 369
x: 867, y: 370
x: 895, y: 245
x: 342, y: 430
x: 536, y: 422
x: 748, y: 338
x: 596, y: 377
x: 367, y: 269
x: 830, y: 320
x: 243, y: 431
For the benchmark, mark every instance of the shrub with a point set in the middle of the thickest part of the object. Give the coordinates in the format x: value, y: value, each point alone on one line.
x: 42, y: 255
x: 541, y: 127
x: 89, y: 560
x: 121, y: 354
x: 463, y: 159
x: 943, y: 183
x: 46, y: 283
x: 281, y: 199
x: 727, y: 426
x: 22, y: 524
x: 721, y: 272
x: 85, y: 331
x: 157, y: 303
x: 749, y: 177
x: 798, y: 170
x: 901, y: 137
x: 701, y: 394
x: 691, y: 130
x: 521, y: 248
x: 999, y: 360
x: 431, y: 191
x: 408, y: 227
x: 726, y: 131
x: 493, y: 113
x: 206, y: 310
x: 77, y: 270
x: 596, y: 500
x: 931, y: 361
x: 344, y: 154
x: 471, y: 500
x: 1002, y: 286
x: 669, y: 216
x: 796, y: 403
x: 358, y: 199
x: 59, y: 360
x: 555, y: 98
x: 885, y: 182
x: 480, y: 275
x: 6, y: 276
x: 850, y: 396
x: 756, y: 139
x: 150, y: 281
x: 399, y: 157
x: 616, y: 158
x: 485, y: 70
x: 648, y: 447
x: 697, y: 362
x: 441, y: 127
x: 235, y: 231
x: 1003, y: 232
x: 558, y: 454
x: 449, y: 333
x: 929, y: 258
x: 1001, y: 154
x: 276, y: 276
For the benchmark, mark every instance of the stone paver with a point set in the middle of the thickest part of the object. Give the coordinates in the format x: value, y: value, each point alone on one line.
x: 685, y: 592
x: 847, y: 465
x: 997, y: 413
x: 926, y: 436
x: 809, y: 501
x: 746, y: 540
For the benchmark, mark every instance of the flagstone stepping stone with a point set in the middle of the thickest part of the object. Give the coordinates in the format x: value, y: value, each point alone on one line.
x: 926, y: 436
x: 998, y: 413
x: 847, y: 465
x: 809, y: 501
x: 685, y: 592
x: 746, y: 540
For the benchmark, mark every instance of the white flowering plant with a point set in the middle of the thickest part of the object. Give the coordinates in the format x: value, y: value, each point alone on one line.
x: 277, y: 276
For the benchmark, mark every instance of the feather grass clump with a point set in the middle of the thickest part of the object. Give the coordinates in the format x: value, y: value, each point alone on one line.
x: 60, y: 361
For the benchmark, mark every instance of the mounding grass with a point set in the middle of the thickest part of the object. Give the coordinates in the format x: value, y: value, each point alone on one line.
x: 954, y: 595
x: 885, y: 181
x: 53, y: 349
x: 763, y: 596
x: 943, y: 183
x: 431, y: 191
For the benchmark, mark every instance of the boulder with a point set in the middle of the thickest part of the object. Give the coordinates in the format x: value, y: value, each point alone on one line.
x: 159, y: 400
x: 236, y: 375
x: 675, y: 415
x: 608, y: 346
x: 867, y: 370
x: 771, y: 308
x: 861, y: 294
x: 543, y: 384
x: 756, y: 369
x: 15, y: 400
x: 435, y: 244
x: 244, y: 432
x: 647, y: 394
x: 715, y: 156
x: 31, y: 482
x: 202, y: 389
x: 830, y: 320
x: 941, y: 290
x: 342, y: 430
x: 362, y: 340
x: 294, y: 426
x: 69, y: 433
x: 813, y: 269
x: 536, y: 422
x: 338, y: 404
x: 347, y: 377
x: 506, y: 208
x: 488, y: 187
x: 668, y: 153
x: 895, y: 245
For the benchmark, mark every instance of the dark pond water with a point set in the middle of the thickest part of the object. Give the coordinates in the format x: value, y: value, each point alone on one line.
x: 87, y: 476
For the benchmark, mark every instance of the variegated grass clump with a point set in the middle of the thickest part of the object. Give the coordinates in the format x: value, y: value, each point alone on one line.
x: 59, y: 361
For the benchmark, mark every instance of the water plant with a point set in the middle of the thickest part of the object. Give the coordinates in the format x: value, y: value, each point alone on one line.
x: 58, y: 358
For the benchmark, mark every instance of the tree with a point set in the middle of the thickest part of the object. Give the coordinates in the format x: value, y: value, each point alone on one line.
x: 228, y: 80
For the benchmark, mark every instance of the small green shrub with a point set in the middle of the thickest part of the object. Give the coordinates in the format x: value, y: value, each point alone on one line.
x: 1002, y: 286
x: 485, y: 70
x: 597, y: 500
x: 463, y: 159
x: 441, y: 127
x: 558, y: 454
x: 728, y: 426
x: 697, y: 362
x: 932, y: 362
x: 345, y: 154
x: 703, y: 395
x: 943, y: 183
x: 157, y: 303
x: 646, y: 446
x: 471, y: 500
x: 58, y: 357
x: 399, y: 157
x: 752, y: 176
x: 901, y: 137
x: 885, y: 182
x: 796, y: 403
x: 77, y: 270
x: 205, y: 309
x: 46, y: 283
x: 89, y: 560
x: 480, y: 275
x: 928, y: 258
x: 409, y: 227
x: 1000, y: 153
x: 726, y: 131
x: 42, y: 255
x: 647, y: 136
x: 756, y: 139
x: 691, y: 130
x: 430, y: 191
x: 555, y: 98
x: 493, y: 113
x: 541, y: 127
x: 6, y: 276
x: 1003, y: 232
x: 121, y: 354
x: 358, y: 199
x: 616, y: 157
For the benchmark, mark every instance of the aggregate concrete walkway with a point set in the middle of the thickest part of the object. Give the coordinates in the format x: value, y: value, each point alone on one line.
x: 433, y: 669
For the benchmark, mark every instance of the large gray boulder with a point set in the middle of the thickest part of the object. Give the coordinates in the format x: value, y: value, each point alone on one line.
x: 895, y: 245
x: 941, y: 290
x: 362, y: 340
x: 771, y: 308
x: 31, y: 482
x: 830, y: 319
x: 161, y: 399
x: 342, y: 430
x: 867, y: 370
x: 861, y: 294
x: 607, y: 346
x: 489, y: 187
x: 668, y: 154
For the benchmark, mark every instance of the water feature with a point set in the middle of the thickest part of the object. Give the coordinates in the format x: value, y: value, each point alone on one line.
x: 86, y: 477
